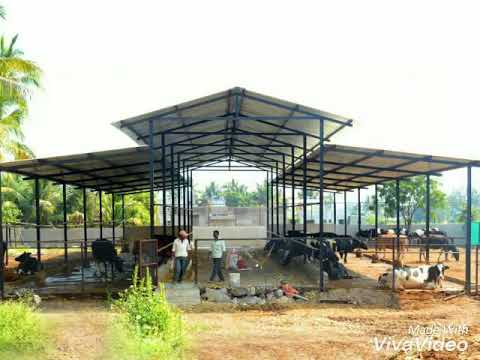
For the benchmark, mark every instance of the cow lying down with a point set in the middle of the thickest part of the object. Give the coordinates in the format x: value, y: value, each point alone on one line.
x: 421, y: 277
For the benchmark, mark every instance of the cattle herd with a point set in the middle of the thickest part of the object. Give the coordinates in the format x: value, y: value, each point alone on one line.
x: 311, y: 249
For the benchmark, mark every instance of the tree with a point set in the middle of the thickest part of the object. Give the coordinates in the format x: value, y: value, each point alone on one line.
x: 412, y: 198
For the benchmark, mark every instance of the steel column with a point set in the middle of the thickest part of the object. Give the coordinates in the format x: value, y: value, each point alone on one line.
x: 179, y: 212
x: 468, y: 245
x: 101, y: 214
x: 164, y: 190
x: 321, y: 198
x: 268, y: 203
x: 335, y: 212
x: 37, y: 217
x: 151, y: 178
x: 293, y: 187
x: 359, y: 204
x: 277, y: 199
x: 397, y: 238
x: 271, y: 202
x: 427, y: 219
x: 184, y: 207
x: 113, y: 219
x: 376, y: 209
x: 85, y: 229
x: 304, y: 185
x: 65, y: 224
x: 284, y: 194
x: 123, y: 219
x: 345, y: 213
x: 172, y: 190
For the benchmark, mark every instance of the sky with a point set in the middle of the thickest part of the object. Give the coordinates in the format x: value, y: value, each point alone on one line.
x: 406, y: 72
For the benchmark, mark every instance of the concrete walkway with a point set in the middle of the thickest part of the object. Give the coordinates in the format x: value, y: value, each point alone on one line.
x: 186, y: 293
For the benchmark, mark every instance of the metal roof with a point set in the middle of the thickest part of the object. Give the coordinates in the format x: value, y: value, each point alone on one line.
x: 238, y: 124
x: 119, y: 170
x: 347, y: 167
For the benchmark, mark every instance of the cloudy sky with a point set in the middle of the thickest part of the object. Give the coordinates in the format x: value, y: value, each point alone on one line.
x: 407, y: 73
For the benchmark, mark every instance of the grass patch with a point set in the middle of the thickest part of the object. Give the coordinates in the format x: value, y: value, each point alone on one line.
x: 145, y: 326
x: 23, y: 333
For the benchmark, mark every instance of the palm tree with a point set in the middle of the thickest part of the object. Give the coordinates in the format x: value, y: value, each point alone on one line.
x: 18, y: 77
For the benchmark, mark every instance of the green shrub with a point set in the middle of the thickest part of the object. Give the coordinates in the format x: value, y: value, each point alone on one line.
x: 146, y: 326
x: 22, y: 331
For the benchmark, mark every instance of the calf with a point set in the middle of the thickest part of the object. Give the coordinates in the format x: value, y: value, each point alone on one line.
x: 104, y: 253
x: 348, y: 245
x: 28, y: 264
x: 422, y: 277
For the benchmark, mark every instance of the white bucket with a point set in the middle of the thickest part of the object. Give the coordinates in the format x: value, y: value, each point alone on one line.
x: 234, y: 279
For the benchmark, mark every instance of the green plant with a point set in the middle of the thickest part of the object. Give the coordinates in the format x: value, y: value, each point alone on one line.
x: 146, y: 326
x: 22, y: 330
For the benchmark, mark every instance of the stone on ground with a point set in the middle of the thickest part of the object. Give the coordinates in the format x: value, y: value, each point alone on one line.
x: 182, y: 294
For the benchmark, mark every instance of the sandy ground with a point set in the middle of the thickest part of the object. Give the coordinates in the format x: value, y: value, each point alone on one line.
x: 329, y: 332
x: 308, y: 331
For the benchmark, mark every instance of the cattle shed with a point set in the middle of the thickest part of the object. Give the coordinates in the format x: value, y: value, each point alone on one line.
x: 236, y: 130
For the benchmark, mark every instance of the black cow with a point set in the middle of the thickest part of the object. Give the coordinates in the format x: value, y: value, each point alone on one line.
x: 28, y: 264
x: 104, y: 253
x: 348, y: 245
x: 331, y: 263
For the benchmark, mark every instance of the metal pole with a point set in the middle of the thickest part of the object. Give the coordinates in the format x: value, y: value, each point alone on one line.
x: 113, y: 219
x: 321, y: 188
x: 271, y: 202
x: 123, y: 219
x: 359, y: 204
x: 277, y: 202
x: 397, y: 238
x: 37, y: 217
x: 335, y: 212
x: 172, y: 190
x: 152, y: 178
x: 2, y: 264
x: 284, y: 170
x: 345, y: 213
x: 65, y: 227
x: 376, y: 209
x: 293, y: 188
x: 164, y: 187
x: 191, y: 201
x: 304, y: 185
x: 85, y: 229
x: 184, y: 187
x: 101, y: 214
x: 268, y: 204
x: 468, y: 245
x: 179, y: 212
x: 427, y: 220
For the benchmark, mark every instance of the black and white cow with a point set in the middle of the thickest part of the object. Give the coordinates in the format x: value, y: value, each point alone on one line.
x: 348, y: 245
x: 28, y: 264
x: 438, y: 240
x: 421, y: 277
x: 104, y: 253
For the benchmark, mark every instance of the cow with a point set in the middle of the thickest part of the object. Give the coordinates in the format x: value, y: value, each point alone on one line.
x: 348, y: 245
x: 421, y: 277
x: 331, y: 263
x: 368, y: 234
x: 104, y: 253
x: 28, y: 264
x: 388, y: 241
x: 438, y: 240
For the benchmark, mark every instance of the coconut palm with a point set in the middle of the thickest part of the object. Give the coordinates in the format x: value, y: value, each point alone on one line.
x: 18, y: 77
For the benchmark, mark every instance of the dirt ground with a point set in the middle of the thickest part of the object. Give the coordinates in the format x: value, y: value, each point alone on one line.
x: 307, y: 331
x: 330, y: 331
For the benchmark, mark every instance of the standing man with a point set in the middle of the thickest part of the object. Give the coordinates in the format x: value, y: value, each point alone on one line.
x: 181, y: 246
x: 216, y: 251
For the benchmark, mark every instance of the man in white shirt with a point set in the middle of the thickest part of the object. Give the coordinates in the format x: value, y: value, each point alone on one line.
x: 216, y: 251
x: 181, y: 246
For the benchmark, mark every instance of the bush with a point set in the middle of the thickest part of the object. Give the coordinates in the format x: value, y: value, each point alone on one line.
x: 146, y: 325
x: 22, y: 331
